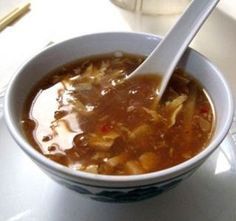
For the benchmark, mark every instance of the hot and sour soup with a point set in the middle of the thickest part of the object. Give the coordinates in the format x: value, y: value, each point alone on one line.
x: 87, y: 116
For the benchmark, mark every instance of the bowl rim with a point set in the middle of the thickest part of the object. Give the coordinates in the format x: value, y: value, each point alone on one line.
x: 118, y: 179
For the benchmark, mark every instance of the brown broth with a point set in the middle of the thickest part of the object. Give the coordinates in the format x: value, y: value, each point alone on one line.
x: 84, y: 115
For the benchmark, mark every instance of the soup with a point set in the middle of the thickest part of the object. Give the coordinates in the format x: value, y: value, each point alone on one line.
x: 87, y: 116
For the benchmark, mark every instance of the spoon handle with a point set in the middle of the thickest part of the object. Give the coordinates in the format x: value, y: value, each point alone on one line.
x: 172, y: 47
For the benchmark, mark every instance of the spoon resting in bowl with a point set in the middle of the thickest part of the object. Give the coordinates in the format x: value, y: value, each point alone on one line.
x: 165, y: 56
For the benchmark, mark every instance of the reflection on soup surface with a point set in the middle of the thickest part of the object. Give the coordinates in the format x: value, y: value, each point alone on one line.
x: 87, y: 116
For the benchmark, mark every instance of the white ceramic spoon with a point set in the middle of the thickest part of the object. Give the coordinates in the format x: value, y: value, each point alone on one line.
x: 168, y: 52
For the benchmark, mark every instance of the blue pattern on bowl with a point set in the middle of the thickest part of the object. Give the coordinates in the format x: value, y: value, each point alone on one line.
x: 123, y: 194
x: 131, y: 195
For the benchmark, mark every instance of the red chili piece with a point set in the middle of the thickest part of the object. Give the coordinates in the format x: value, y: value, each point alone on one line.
x: 105, y: 128
x: 204, y: 109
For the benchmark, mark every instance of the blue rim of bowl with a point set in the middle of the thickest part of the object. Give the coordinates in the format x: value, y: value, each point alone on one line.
x: 123, y: 179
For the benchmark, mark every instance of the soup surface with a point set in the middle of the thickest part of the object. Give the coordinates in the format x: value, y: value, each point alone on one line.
x: 86, y: 116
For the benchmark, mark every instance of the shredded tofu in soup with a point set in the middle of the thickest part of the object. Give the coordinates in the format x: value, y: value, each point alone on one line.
x: 87, y: 116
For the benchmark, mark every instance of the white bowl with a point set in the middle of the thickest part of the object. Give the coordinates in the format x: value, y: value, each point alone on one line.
x: 106, y: 187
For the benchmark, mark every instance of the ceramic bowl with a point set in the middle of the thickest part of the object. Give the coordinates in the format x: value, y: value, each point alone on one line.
x: 105, y: 187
